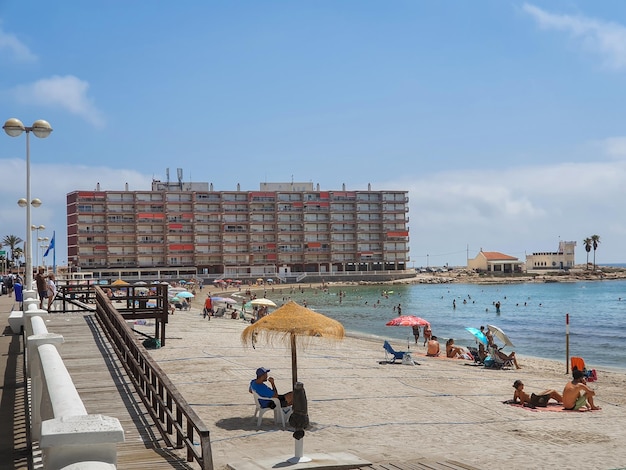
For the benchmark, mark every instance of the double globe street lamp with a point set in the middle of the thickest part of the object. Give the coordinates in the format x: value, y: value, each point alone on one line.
x: 42, y: 129
x: 37, y: 228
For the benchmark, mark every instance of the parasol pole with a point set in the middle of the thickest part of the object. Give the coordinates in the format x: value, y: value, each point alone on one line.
x: 294, y: 361
x: 567, y: 343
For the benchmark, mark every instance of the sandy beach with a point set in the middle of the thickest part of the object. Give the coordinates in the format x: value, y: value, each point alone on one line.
x: 440, y: 409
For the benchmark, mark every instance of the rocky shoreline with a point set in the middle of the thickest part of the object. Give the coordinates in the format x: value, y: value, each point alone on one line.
x: 467, y: 276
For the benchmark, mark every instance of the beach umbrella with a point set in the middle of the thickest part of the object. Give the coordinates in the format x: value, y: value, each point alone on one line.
x: 141, y: 283
x: 479, y: 335
x: 120, y: 282
x: 225, y: 300
x: 175, y: 299
x: 262, y: 303
x: 501, y: 335
x: 185, y: 295
x: 407, y: 320
x: 290, y: 322
x: 177, y: 289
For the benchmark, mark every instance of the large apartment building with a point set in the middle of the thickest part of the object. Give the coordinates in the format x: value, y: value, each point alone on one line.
x: 283, y: 228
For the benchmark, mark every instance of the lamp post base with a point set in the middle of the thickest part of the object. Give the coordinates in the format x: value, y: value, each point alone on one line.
x: 299, y: 458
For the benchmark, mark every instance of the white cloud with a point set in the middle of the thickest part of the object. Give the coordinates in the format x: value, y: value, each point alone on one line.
x: 516, y: 210
x: 614, y: 146
x: 68, y: 92
x: 607, y: 39
x: 15, y: 48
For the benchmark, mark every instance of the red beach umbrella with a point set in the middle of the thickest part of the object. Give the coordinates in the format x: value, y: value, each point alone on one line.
x: 407, y: 320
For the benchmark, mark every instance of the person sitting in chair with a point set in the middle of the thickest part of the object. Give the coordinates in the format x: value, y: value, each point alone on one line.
x: 263, y: 391
x: 533, y: 400
x: 503, y: 357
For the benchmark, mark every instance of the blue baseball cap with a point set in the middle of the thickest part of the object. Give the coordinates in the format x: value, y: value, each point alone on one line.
x: 261, y: 370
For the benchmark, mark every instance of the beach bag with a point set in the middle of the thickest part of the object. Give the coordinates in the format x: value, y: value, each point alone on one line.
x: 592, y: 376
x: 539, y: 400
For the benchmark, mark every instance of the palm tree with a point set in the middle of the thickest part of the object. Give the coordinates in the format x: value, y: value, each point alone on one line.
x: 588, y: 244
x: 596, y: 241
x: 18, y: 254
x: 12, y: 241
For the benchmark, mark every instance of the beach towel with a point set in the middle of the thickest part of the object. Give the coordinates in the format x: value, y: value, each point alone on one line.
x: 551, y: 407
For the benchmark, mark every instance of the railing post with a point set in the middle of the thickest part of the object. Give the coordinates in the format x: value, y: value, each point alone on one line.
x: 33, y: 342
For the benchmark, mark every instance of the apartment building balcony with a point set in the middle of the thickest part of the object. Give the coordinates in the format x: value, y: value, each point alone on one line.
x: 144, y: 252
x: 210, y: 197
x: 290, y: 228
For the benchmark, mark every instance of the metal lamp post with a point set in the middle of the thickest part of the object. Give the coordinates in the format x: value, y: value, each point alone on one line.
x: 42, y: 129
x: 42, y: 246
x: 37, y: 228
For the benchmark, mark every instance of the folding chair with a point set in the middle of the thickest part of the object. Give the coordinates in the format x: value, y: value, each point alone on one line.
x: 496, y: 362
x: 392, y: 355
x: 578, y: 363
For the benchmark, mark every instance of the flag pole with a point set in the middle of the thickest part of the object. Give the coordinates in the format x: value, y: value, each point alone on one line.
x: 54, y: 255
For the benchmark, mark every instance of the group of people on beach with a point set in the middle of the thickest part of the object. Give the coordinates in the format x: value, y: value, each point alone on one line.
x: 576, y: 396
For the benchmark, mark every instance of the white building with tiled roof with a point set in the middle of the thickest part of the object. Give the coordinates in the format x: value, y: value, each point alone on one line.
x: 495, y: 262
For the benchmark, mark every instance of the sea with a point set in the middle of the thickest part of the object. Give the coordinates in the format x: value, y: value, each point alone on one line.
x: 533, y: 315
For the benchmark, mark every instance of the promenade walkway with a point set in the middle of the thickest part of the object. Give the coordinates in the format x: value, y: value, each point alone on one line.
x: 101, y: 383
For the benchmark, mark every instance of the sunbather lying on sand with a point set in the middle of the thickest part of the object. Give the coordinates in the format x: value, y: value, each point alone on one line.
x: 539, y: 399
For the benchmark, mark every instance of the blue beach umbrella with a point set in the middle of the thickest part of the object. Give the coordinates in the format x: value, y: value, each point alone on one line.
x: 479, y: 335
x: 185, y: 295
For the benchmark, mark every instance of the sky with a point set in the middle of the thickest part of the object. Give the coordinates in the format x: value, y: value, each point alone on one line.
x: 504, y: 120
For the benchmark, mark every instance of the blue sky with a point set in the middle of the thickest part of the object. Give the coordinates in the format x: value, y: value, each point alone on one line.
x: 504, y: 120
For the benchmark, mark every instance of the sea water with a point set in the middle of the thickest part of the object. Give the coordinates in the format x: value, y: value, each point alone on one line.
x: 533, y: 315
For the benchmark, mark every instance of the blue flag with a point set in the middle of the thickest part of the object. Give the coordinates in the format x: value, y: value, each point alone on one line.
x: 50, y: 246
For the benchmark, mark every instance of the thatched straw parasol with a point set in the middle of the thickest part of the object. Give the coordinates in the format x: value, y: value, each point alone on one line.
x: 288, y: 322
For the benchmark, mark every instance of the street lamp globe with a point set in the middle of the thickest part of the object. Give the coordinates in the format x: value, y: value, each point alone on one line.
x: 41, y: 128
x: 13, y: 127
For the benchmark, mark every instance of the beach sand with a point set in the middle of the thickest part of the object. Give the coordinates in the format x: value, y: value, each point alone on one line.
x: 441, y: 409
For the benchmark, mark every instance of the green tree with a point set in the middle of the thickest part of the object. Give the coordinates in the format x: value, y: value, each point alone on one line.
x: 588, y: 244
x: 11, y: 241
x: 18, y: 254
x: 596, y: 241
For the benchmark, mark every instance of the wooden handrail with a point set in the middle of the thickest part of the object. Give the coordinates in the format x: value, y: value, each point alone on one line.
x: 176, y: 420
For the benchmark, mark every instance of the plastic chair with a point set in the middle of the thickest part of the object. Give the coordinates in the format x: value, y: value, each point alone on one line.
x: 392, y: 355
x: 281, y: 415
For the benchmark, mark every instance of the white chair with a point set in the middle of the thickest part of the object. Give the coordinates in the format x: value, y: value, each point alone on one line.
x: 281, y: 415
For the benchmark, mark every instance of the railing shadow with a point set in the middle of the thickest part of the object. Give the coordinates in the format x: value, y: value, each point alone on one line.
x: 14, y: 446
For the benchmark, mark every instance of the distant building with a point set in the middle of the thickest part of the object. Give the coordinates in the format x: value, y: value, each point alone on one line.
x: 564, y: 258
x: 495, y: 262
x: 284, y: 228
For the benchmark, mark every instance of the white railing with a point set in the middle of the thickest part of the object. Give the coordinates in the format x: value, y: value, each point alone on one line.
x: 68, y: 436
